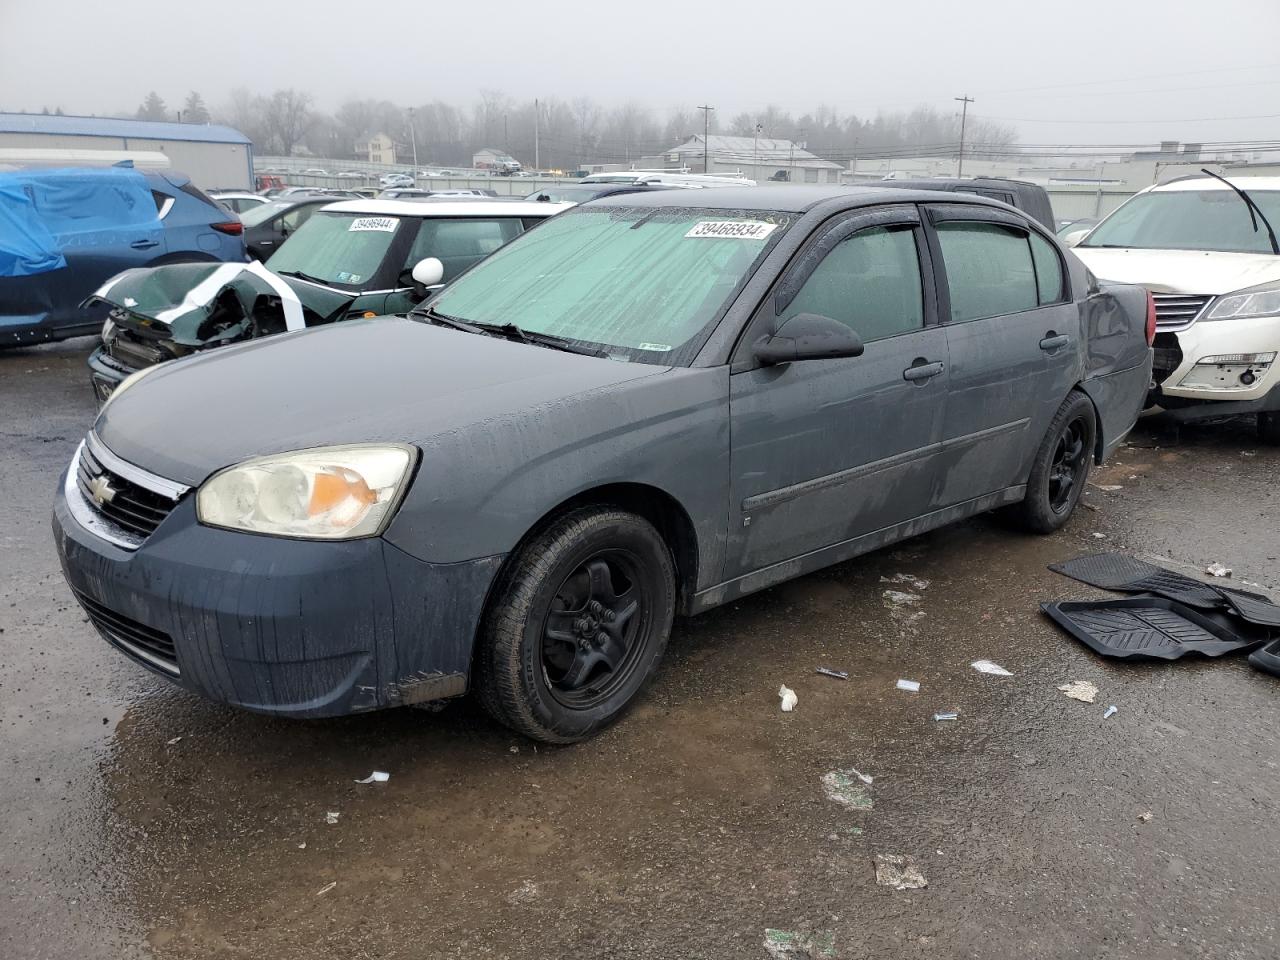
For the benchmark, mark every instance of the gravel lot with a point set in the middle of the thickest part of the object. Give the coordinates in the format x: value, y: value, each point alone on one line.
x: 699, y: 821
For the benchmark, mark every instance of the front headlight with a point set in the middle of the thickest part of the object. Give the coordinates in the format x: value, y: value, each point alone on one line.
x: 1260, y: 301
x: 326, y: 493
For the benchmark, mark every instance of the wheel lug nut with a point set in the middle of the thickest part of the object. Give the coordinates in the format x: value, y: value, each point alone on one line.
x: 602, y: 638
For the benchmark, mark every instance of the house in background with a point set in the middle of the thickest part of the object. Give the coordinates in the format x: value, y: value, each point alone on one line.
x: 378, y: 148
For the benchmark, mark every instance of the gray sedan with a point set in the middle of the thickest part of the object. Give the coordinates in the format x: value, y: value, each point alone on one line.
x: 647, y: 406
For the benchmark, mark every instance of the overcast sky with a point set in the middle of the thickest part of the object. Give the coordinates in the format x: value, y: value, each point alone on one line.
x: 1067, y: 71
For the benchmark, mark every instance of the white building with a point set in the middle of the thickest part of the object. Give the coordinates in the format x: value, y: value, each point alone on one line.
x: 762, y: 159
x: 378, y: 148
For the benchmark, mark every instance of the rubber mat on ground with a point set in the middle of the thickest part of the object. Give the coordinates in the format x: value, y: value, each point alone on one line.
x: 1267, y: 659
x: 1145, y: 628
x: 1125, y: 574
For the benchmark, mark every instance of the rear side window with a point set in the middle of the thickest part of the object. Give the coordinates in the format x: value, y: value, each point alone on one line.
x: 1048, y: 270
x: 459, y: 243
x: 990, y: 272
x: 869, y: 282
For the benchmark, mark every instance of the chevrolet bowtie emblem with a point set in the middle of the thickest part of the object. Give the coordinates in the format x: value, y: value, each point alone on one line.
x: 102, y: 490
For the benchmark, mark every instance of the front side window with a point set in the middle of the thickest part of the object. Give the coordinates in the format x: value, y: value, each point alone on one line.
x: 643, y: 283
x: 460, y: 243
x: 990, y: 272
x: 339, y: 248
x: 870, y: 282
x: 1189, y: 220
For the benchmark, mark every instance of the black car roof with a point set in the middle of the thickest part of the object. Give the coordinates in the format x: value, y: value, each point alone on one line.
x: 789, y: 199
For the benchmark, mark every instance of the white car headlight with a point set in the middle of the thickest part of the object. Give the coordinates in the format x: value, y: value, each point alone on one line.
x: 326, y: 493
x: 1261, y: 301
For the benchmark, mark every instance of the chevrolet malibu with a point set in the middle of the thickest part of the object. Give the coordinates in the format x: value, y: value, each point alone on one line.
x: 648, y: 406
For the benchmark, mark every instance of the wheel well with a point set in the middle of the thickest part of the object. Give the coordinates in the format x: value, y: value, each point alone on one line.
x: 657, y: 506
x: 1098, y: 444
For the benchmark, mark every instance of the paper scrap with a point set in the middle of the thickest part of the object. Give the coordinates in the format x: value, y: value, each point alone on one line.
x: 326, y: 888
x: 911, y: 685
x: 331, y: 817
x: 946, y: 716
x: 987, y: 666
x: 376, y: 777
x: 1081, y: 690
x: 1111, y: 710
x: 789, y: 698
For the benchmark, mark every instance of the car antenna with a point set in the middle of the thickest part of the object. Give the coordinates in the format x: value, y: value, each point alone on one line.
x: 1248, y: 200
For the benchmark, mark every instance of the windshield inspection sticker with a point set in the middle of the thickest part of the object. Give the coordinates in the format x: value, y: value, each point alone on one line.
x: 385, y: 224
x: 733, y: 229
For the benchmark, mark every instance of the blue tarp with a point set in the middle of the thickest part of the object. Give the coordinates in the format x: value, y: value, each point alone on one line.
x: 42, y: 212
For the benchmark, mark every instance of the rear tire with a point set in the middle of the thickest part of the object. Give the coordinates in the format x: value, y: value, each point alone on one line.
x: 1060, y: 469
x: 577, y: 626
x: 1269, y: 428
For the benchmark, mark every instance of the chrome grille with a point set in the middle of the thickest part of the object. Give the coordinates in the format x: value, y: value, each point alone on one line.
x: 1176, y: 311
x: 115, y: 499
x: 153, y: 647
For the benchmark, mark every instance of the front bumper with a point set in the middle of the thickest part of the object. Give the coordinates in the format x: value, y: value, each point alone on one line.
x: 286, y: 627
x: 106, y: 373
x: 1221, y: 338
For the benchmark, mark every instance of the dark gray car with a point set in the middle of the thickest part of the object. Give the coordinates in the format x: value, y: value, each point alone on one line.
x: 649, y: 405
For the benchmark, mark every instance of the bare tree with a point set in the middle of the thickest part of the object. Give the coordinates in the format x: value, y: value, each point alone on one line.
x: 288, y: 114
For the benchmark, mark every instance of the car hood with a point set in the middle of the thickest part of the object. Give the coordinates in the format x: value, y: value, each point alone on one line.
x: 1181, y: 271
x: 387, y: 379
x: 177, y: 300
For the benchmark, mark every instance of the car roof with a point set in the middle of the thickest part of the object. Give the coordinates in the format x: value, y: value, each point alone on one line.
x: 445, y: 208
x: 789, y: 199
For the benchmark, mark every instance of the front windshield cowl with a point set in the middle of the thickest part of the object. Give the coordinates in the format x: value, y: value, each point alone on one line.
x: 640, y: 283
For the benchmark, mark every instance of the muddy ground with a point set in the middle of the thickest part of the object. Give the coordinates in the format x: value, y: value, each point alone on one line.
x: 1042, y: 829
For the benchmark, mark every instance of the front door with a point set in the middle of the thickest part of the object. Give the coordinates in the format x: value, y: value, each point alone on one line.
x: 1014, y: 338
x: 824, y: 451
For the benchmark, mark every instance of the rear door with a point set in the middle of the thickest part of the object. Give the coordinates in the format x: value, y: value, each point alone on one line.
x: 1014, y: 339
x: 824, y: 451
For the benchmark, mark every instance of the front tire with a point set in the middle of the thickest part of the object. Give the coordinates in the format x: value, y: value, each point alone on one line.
x: 1061, y: 467
x: 577, y: 626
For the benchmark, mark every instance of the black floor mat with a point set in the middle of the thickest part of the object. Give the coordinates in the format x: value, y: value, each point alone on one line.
x: 1125, y: 574
x: 1267, y: 659
x: 1146, y: 628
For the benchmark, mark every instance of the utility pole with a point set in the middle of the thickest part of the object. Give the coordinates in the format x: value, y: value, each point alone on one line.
x: 755, y: 152
x: 706, y: 132
x: 964, y: 114
x: 413, y: 137
x: 537, y: 163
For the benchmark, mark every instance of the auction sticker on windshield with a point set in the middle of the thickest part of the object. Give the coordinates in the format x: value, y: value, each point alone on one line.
x: 385, y: 224
x: 734, y: 229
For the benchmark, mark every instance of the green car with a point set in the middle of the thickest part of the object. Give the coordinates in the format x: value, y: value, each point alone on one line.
x: 355, y: 258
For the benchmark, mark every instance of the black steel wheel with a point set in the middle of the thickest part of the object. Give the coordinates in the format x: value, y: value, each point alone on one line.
x: 577, y: 625
x: 1060, y: 468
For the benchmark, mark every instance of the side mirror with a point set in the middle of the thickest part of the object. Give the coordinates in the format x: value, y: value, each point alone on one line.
x: 807, y: 336
x: 1075, y: 236
x: 428, y: 272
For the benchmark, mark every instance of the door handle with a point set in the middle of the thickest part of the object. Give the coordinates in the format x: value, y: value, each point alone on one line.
x: 144, y: 244
x: 922, y: 370
x: 1054, y: 341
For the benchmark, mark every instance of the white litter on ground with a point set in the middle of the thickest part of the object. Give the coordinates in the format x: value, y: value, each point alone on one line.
x: 946, y: 716
x: 170, y: 743
x: 376, y: 777
x: 902, y: 606
x: 899, y: 872
x: 1217, y: 570
x: 1081, y: 690
x: 911, y: 685
x: 987, y: 666
x: 1111, y: 711
x: 1110, y: 487
x: 1145, y: 817
x: 326, y: 888
x: 524, y: 893
x: 789, y: 698
x: 920, y: 583
x: 331, y: 817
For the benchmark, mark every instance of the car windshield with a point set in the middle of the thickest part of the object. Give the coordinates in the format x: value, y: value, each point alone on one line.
x: 341, y: 248
x: 264, y: 212
x: 642, y: 283
x: 1189, y: 220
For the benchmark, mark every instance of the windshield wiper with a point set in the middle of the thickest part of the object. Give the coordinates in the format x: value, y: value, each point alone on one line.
x: 512, y: 332
x: 1248, y: 200
x: 439, y: 319
x: 303, y: 276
